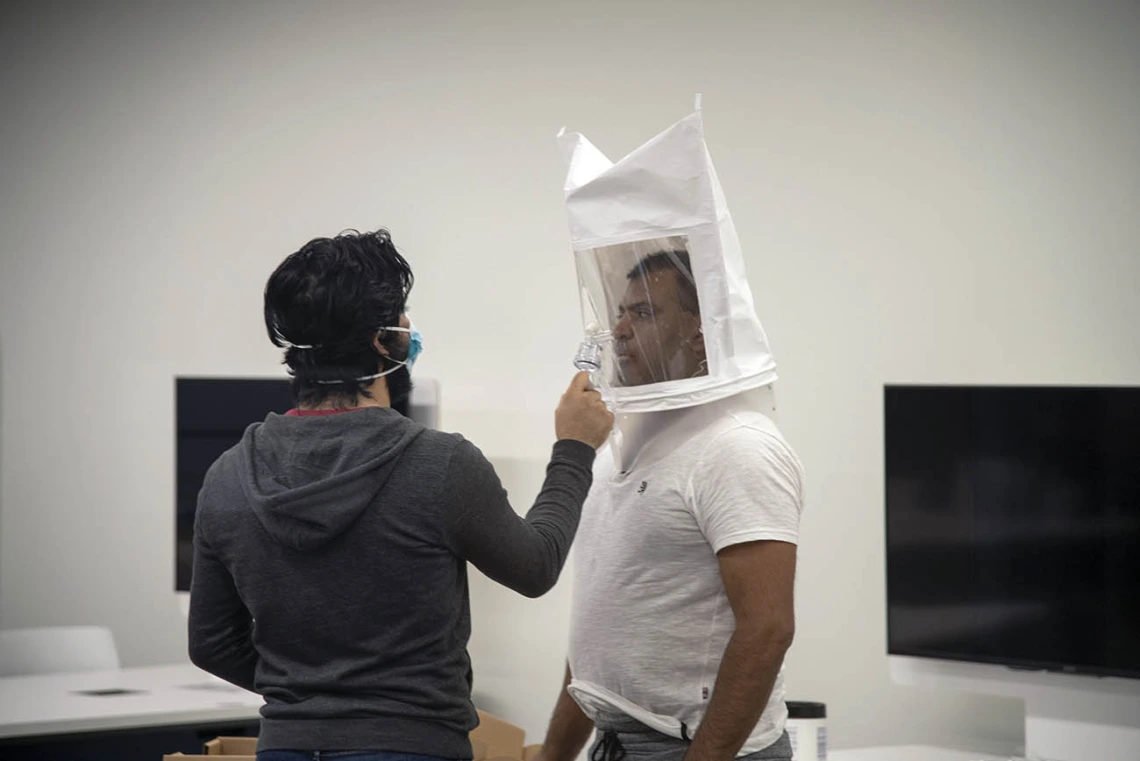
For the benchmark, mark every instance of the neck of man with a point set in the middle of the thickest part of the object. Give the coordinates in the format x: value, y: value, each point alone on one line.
x: 377, y: 397
x: 646, y: 437
x: 637, y: 430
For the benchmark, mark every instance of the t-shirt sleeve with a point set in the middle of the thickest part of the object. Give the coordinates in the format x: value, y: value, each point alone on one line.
x: 747, y: 486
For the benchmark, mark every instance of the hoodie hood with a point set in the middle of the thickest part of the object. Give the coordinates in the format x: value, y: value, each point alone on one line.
x: 309, y: 478
x: 639, y: 226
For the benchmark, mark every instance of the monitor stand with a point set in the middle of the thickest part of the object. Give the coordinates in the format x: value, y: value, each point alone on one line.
x: 1068, y: 717
x: 1060, y: 729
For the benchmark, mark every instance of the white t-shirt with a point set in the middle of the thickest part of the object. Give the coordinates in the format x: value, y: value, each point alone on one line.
x: 650, y: 619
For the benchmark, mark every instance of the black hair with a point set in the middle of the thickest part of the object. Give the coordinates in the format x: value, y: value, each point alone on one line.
x: 324, y: 305
x: 677, y: 261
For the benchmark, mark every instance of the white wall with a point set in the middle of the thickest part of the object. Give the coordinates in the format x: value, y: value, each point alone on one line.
x: 926, y: 192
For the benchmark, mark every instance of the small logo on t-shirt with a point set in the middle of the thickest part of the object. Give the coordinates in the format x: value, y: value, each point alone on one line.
x: 704, y: 693
x: 644, y: 485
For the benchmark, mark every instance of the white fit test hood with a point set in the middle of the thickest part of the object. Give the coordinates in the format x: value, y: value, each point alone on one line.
x: 661, y: 273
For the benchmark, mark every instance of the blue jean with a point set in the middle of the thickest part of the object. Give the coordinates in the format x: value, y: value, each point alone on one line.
x: 342, y: 755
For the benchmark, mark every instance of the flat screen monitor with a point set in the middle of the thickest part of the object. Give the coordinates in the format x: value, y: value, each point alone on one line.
x: 1013, y: 526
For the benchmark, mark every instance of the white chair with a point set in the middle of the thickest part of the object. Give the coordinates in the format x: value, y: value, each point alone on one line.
x: 57, y: 649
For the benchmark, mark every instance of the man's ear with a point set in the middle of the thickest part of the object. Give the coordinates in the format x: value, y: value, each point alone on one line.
x: 378, y: 346
x: 696, y: 337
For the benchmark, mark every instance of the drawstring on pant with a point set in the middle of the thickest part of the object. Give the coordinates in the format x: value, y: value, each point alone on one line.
x: 609, y: 749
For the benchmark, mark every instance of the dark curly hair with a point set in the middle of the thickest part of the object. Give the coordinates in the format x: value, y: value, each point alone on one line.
x: 325, y: 303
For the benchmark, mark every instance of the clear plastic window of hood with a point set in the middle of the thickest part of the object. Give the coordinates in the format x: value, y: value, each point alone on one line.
x: 661, y: 274
x: 643, y: 299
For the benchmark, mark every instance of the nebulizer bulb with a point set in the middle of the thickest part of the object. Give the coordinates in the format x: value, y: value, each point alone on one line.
x: 589, y: 357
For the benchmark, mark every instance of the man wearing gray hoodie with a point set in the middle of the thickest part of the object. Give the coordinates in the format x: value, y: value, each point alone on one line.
x: 331, y: 544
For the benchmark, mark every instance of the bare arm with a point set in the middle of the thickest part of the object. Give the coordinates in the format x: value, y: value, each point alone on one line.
x: 759, y: 581
x: 569, y: 729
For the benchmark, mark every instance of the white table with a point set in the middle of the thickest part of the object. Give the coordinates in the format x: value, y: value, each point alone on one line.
x: 53, y: 705
x: 909, y: 753
x: 159, y: 696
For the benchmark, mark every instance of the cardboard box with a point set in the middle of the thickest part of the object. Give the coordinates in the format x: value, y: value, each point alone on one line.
x: 479, y: 752
x: 503, y: 739
x: 528, y: 754
x: 493, y: 740
x: 231, y: 746
x: 224, y: 749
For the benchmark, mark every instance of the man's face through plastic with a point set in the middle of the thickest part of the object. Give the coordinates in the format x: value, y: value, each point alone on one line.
x: 657, y: 332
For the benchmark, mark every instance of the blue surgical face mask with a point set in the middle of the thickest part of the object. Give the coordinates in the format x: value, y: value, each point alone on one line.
x: 415, y: 344
x: 415, y: 347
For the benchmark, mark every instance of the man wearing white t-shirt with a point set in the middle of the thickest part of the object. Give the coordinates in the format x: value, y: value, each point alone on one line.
x: 685, y: 562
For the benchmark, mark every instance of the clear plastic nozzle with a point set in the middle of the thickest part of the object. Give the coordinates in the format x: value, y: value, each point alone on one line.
x: 589, y: 356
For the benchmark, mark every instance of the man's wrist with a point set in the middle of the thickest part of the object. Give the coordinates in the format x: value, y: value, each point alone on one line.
x: 575, y: 450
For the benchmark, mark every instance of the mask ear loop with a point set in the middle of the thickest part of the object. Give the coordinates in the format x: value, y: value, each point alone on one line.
x: 361, y: 379
x: 286, y: 344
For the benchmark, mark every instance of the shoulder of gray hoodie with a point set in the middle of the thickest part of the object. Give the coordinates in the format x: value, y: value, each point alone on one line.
x: 308, y: 479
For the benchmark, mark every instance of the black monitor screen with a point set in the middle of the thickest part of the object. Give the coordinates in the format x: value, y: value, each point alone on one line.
x: 212, y: 415
x: 1013, y: 526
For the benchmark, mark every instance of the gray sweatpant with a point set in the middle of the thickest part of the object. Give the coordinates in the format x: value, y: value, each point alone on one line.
x: 641, y: 743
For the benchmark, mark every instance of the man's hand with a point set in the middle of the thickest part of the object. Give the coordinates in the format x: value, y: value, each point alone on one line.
x: 582, y: 415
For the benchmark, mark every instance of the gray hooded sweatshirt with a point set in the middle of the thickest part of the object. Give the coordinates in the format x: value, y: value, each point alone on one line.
x: 330, y: 574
